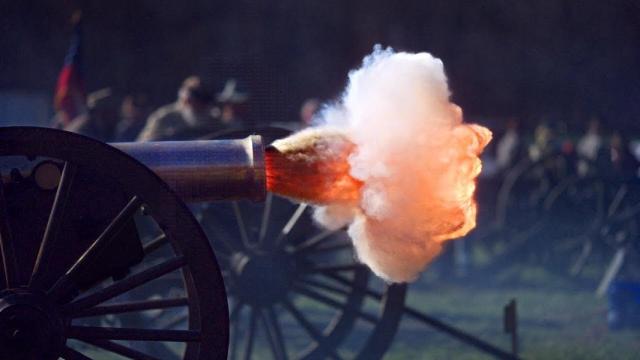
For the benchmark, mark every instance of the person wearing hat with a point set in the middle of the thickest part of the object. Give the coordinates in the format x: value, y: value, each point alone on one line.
x: 133, y: 118
x: 231, y: 102
x: 190, y: 117
x: 100, y: 120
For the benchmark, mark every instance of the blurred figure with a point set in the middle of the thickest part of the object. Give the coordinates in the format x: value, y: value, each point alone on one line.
x: 589, y: 146
x: 133, y: 115
x: 189, y: 117
x: 509, y: 145
x: 590, y: 143
x: 624, y: 164
x: 542, y: 142
x: 308, y: 111
x: 232, y: 105
x: 100, y: 120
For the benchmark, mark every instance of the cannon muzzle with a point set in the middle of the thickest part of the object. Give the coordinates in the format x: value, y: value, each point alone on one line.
x: 205, y: 170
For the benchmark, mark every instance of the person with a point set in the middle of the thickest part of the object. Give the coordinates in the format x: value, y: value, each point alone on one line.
x: 133, y: 112
x: 624, y: 165
x: 232, y: 105
x: 590, y: 143
x: 508, y: 147
x: 589, y: 146
x: 308, y: 111
x: 99, y: 121
x: 542, y: 142
x: 190, y: 117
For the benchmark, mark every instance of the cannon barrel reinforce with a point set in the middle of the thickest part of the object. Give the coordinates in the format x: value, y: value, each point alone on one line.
x: 205, y: 170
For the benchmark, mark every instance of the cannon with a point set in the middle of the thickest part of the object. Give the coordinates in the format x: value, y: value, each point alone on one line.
x: 76, y: 217
x: 101, y: 255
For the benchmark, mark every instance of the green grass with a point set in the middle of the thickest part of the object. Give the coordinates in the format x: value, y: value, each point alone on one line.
x: 557, y: 320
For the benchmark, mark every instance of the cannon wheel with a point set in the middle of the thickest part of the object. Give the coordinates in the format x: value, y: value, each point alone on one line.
x: 296, y: 292
x: 551, y: 212
x: 33, y: 293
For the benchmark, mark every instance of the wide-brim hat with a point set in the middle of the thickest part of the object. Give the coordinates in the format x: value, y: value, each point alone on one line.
x: 230, y: 93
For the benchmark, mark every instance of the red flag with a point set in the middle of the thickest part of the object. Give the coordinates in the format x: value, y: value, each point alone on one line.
x: 70, y: 97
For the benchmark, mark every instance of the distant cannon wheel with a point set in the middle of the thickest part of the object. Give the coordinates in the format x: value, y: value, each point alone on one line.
x: 74, y: 269
x: 547, y: 208
x: 296, y: 291
x: 616, y: 241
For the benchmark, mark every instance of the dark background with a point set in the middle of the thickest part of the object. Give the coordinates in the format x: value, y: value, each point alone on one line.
x: 561, y: 60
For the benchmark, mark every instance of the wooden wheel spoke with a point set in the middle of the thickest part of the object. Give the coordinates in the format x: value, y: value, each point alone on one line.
x: 302, y: 320
x: 328, y: 248
x: 293, y: 220
x: 233, y: 341
x: 266, y: 212
x: 155, y: 244
x: 617, y: 200
x: 62, y: 287
x: 235, y: 330
x: 311, y: 243
x: 219, y: 241
x: 308, y: 327
x: 7, y: 248
x: 345, y: 281
x: 235, y: 311
x: 123, y: 286
x: 241, y: 225
x: 120, y: 349
x: 49, y: 244
x: 221, y: 244
x: 106, y: 333
x: 72, y: 354
x: 312, y: 294
x: 274, y: 333
x: 324, y: 286
x: 234, y: 321
x: 253, y: 322
x: 132, y: 306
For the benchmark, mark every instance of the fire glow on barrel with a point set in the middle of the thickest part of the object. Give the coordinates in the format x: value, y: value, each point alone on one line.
x: 392, y: 160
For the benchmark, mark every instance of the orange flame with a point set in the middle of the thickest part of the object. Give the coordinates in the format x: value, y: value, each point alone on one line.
x: 468, y: 142
x: 313, y: 167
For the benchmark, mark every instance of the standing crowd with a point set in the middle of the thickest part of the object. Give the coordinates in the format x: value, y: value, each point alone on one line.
x: 611, y: 154
x: 195, y: 113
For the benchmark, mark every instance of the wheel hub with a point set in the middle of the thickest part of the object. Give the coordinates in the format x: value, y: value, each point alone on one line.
x: 30, y: 327
x: 262, y: 278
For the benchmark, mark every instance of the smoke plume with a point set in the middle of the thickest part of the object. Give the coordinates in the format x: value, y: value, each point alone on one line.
x: 413, y: 159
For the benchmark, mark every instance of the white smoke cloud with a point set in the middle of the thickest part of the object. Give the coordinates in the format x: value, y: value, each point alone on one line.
x: 415, y: 157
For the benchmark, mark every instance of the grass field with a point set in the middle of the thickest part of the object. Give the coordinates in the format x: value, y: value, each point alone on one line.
x: 557, y: 319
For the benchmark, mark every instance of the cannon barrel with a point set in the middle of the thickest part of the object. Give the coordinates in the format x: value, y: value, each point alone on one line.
x: 205, y: 170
